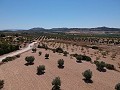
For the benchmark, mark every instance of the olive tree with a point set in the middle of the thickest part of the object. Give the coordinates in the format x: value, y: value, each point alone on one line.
x: 56, y: 83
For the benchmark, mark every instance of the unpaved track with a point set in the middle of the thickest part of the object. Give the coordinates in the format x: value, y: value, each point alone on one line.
x: 30, y: 46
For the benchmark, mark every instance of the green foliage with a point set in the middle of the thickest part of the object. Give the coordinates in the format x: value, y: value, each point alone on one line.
x: 117, y: 87
x: 34, y: 50
x: 54, y: 50
x: 79, y: 58
x: 30, y: 59
x: 110, y: 66
x: 100, y: 65
x: 94, y: 47
x: 7, y: 48
x: 74, y: 55
x: 87, y: 74
x: 43, y: 46
x: 40, y: 69
x: 59, y: 50
x: 40, y: 53
x: 18, y: 56
x: 8, y: 59
x: 56, y: 83
x: 65, y: 53
x: 2, y: 35
x: 1, y: 84
x: 60, y: 63
x: 86, y: 58
x: 46, y: 56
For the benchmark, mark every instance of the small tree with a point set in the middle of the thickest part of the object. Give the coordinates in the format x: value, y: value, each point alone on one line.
x: 79, y: 58
x: 100, y: 65
x: 110, y: 66
x: 65, y: 53
x: 34, y: 50
x: 1, y: 84
x: 40, y: 53
x: 117, y: 87
x: 46, y: 56
x: 56, y: 83
x: 59, y: 50
x: 88, y: 75
x: 30, y: 59
x: 86, y: 58
x: 40, y: 69
x: 54, y: 50
x: 18, y: 55
x: 60, y: 63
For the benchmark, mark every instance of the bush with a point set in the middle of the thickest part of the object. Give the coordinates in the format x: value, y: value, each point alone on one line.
x: 117, y: 87
x: 40, y: 53
x: 100, y: 65
x: 34, y: 50
x: 46, y: 56
x: 94, y: 47
x: 74, y: 55
x: 59, y: 50
x: 87, y: 74
x: 79, y: 58
x: 43, y: 46
x: 30, y: 59
x: 60, y: 63
x: 56, y: 83
x: 110, y: 66
x: 86, y: 58
x: 38, y: 46
x: 40, y: 69
x: 96, y: 62
x: 65, y: 53
x: 54, y: 50
x: 1, y: 84
x: 18, y: 56
x: 8, y: 59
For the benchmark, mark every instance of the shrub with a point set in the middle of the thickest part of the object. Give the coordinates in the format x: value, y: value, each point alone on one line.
x: 96, y: 62
x: 38, y: 46
x: 56, y: 83
x: 60, y: 63
x: 46, y: 56
x: 65, y: 53
x: 87, y: 74
x: 1, y: 84
x: 43, y: 46
x: 100, y: 65
x: 40, y: 69
x: 74, y: 55
x: 30, y: 59
x: 79, y: 58
x: 40, y: 53
x: 110, y: 66
x: 94, y: 47
x: 34, y: 50
x: 54, y: 50
x: 18, y: 56
x: 8, y: 59
x: 86, y: 58
x: 59, y: 50
x: 117, y: 87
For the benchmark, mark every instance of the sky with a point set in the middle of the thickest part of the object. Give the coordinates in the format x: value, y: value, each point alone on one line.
x: 26, y: 14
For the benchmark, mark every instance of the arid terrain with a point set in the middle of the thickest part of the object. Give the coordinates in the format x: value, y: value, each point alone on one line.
x: 18, y: 76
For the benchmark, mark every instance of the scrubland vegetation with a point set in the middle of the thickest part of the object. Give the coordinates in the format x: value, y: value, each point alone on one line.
x: 64, y: 60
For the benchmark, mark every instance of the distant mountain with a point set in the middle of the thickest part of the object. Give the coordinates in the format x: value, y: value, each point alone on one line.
x: 105, y: 29
x: 64, y: 29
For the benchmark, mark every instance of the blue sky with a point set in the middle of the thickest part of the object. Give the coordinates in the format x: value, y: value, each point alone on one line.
x: 25, y: 14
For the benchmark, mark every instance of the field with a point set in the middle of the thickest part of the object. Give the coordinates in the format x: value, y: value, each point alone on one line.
x: 17, y: 75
